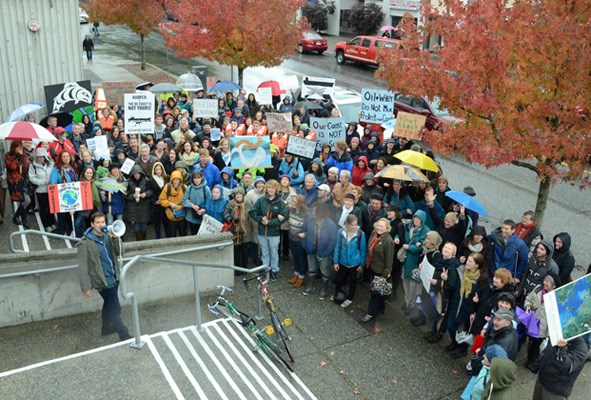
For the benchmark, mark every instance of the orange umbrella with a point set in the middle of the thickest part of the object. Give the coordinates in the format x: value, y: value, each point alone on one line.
x: 402, y: 173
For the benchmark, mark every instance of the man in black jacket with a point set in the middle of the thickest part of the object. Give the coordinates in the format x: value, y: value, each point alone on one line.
x: 502, y: 332
x: 560, y: 367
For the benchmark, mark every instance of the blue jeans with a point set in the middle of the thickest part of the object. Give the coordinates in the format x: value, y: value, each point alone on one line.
x: 270, y: 248
x: 112, y: 313
x: 322, y: 263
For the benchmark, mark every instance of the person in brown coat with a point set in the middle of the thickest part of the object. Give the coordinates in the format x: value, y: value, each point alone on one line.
x: 380, y: 253
x: 17, y: 169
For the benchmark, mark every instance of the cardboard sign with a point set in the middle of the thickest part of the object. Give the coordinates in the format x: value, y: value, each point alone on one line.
x: 377, y: 106
x: 328, y: 130
x: 73, y: 196
x: 67, y: 97
x: 127, y: 166
x: 317, y: 85
x: 115, y: 91
x: 279, y: 122
x: 210, y: 226
x: 250, y: 152
x: 205, y: 108
x: 300, y: 147
x: 264, y: 96
x: 409, y: 125
x: 139, y: 113
x: 288, y: 82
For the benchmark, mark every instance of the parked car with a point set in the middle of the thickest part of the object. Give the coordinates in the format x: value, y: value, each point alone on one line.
x: 312, y: 41
x: 363, y: 49
x: 83, y: 16
x: 436, y: 116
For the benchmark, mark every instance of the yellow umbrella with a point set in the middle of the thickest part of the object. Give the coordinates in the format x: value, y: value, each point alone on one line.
x: 402, y: 173
x: 417, y: 159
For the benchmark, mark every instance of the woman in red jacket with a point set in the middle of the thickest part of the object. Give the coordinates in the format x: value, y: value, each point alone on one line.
x: 359, y: 169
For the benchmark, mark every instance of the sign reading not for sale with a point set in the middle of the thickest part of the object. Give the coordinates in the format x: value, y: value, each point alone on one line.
x: 139, y: 113
x: 73, y: 196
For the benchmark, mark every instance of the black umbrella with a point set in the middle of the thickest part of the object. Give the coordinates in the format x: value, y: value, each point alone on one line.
x: 63, y: 119
x: 308, y: 105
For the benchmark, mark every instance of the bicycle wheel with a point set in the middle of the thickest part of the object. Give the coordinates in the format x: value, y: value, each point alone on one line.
x: 281, y: 333
x: 272, y: 350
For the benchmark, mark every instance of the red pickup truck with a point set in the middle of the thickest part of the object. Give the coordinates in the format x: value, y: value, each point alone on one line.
x: 363, y: 49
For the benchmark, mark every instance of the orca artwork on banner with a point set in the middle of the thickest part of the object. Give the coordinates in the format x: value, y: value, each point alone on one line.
x: 67, y: 97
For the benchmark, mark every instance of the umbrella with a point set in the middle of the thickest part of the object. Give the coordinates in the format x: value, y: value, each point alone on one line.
x: 402, y: 173
x: 308, y: 105
x: 387, y: 28
x: 189, y: 82
x: 417, y: 159
x: 144, y: 86
x: 275, y: 87
x: 23, y: 110
x: 63, y: 119
x: 467, y: 201
x: 529, y: 321
x: 165, y: 88
x: 225, y: 86
x: 21, y: 130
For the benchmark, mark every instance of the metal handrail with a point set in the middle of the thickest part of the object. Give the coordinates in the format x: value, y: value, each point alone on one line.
x: 129, y: 295
x: 36, y: 232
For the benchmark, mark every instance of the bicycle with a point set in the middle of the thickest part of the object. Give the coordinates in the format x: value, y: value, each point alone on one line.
x: 277, y: 326
x: 261, y: 339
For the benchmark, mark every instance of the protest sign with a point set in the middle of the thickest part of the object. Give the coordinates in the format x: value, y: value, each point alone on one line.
x: 409, y: 125
x: 568, y: 310
x: 300, y: 147
x: 210, y: 226
x: 377, y: 106
x: 205, y: 108
x: 279, y: 122
x: 115, y: 91
x: 328, y: 130
x: 109, y: 184
x: 264, y: 96
x: 73, y: 196
x: 215, y: 134
x: 210, y: 81
x: 250, y: 152
x: 288, y: 82
x: 67, y: 97
x: 98, y: 147
x: 317, y: 85
x: 139, y: 113
x: 127, y: 165
x: 427, y: 272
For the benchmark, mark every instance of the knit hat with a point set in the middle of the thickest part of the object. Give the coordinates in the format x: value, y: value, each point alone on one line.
x: 369, y: 175
x: 238, y: 190
x: 376, y: 196
x: 259, y: 179
x: 324, y: 187
x: 469, y: 190
x: 284, y: 176
x: 507, y: 298
x: 553, y: 278
x: 494, y: 350
x: 180, y: 164
x: 504, y: 314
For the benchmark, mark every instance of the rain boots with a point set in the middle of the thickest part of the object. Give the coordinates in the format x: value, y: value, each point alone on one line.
x: 309, y: 285
x: 20, y: 217
x: 323, y: 289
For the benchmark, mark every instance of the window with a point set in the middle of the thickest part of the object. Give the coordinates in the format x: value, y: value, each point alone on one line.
x: 366, y: 42
x: 407, y: 100
x: 355, y: 42
x: 345, y: 19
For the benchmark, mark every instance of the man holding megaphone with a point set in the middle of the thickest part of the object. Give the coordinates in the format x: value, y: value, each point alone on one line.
x: 99, y: 260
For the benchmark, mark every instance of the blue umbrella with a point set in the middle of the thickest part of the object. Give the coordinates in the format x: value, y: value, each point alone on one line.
x: 23, y: 110
x: 225, y: 86
x: 467, y: 201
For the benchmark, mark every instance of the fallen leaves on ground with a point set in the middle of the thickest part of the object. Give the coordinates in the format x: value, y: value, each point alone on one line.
x: 342, y: 371
x: 323, y: 363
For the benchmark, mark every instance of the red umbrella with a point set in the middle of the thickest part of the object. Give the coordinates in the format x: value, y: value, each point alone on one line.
x: 275, y: 87
x: 25, y: 131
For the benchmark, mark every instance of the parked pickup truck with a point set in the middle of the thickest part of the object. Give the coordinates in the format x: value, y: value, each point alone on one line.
x: 363, y: 49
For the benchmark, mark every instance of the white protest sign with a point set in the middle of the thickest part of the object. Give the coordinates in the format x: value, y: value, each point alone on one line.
x: 205, y: 108
x: 101, y: 148
x: 127, y: 165
x: 279, y: 122
x: 328, y: 130
x: 377, y: 106
x: 215, y: 134
x: 427, y: 272
x: 264, y: 96
x: 210, y: 226
x: 300, y: 147
x: 317, y: 85
x: 288, y: 82
x: 139, y: 113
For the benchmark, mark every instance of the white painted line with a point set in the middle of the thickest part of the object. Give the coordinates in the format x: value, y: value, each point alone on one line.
x: 218, y: 364
x: 184, y: 367
x: 42, y: 229
x: 233, y: 363
x: 164, y: 369
x: 252, y: 357
x: 65, y: 358
x: 202, y: 365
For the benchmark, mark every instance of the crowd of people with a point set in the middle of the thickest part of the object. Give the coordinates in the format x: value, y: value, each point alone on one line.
x: 331, y: 216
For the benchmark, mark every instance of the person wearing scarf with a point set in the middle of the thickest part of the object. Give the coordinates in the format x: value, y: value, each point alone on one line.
x: 236, y: 220
x: 380, y: 253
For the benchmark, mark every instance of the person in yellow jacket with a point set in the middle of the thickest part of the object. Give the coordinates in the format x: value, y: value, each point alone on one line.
x: 171, y: 199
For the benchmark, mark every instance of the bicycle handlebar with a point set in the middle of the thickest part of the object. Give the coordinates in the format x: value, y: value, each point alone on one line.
x: 256, y: 276
x: 224, y: 289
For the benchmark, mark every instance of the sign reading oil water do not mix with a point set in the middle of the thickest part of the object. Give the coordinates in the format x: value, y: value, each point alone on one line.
x: 377, y: 106
x: 139, y: 113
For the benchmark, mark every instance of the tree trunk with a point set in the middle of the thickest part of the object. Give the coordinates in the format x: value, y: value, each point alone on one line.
x: 542, y: 201
x: 240, y: 76
x: 143, y: 52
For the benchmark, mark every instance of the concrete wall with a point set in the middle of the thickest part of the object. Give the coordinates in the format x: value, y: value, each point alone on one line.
x: 30, y: 60
x: 50, y: 295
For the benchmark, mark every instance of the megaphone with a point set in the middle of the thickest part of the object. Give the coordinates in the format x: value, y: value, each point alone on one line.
x: 117, y: 229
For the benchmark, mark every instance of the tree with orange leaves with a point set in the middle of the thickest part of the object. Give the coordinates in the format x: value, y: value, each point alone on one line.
x: 244, y: 33
x: 141, y: 16
x: 518, y: 74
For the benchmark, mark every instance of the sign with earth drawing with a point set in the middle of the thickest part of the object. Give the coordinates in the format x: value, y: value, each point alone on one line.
x: 568, y: 310
x: 70, y: 197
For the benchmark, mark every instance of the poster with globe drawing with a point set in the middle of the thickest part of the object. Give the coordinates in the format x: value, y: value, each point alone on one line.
x: 568, y: 310
x: 66, y: 197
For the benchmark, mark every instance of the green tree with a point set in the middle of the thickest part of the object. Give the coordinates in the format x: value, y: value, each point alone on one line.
x: 317, y: 12
x: 366, y: 18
